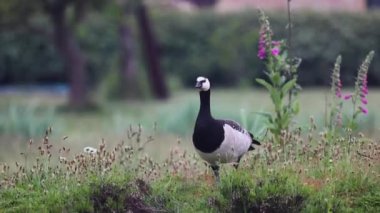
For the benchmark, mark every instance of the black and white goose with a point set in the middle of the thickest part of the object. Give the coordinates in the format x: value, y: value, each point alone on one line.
x: 218, y: 141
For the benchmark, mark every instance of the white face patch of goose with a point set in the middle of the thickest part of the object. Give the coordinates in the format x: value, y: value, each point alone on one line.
x: 204, y: 82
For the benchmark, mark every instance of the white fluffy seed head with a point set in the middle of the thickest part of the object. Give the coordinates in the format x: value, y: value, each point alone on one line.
x: 90, y: 150
x: 202, y: 83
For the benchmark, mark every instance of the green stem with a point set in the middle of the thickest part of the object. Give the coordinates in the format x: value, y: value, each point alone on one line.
x: 289, y: 50
x: 354, y: 114
x: 289, y: 30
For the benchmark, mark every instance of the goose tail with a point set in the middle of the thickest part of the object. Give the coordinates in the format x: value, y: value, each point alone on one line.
x: 254, y: 142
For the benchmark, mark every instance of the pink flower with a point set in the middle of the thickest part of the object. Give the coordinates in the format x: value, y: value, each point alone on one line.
x: 348, y: 96
x: 339, y: 84
x: 364, y: 87
x: 276, y: 43
x: 275, y: 51
x: 363, y: 109
x: 338, y: 89
x: 261, y: 54
x: 262, y: 44
x: 365, y: 90
x: 364, y: 101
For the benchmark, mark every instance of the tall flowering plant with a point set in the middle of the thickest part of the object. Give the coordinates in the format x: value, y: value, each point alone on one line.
x: 335, y: 119
x: 281, y: 71
x: 358, y: 97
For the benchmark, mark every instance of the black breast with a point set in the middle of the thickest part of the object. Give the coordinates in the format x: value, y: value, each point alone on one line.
x: 208, y: 135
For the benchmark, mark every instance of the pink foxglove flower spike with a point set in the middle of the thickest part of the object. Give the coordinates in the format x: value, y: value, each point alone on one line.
x: 363, y: 110
x: 348, y: 96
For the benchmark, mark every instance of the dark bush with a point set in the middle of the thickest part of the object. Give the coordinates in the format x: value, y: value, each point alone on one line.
x: 224, y: 46
x: 28, y: 58
x: 220, y: 46
x: 32, y: 58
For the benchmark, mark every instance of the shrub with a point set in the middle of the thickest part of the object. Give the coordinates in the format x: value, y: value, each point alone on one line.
x: 224, y: 46
x: 221, y: 46
x: 18, y: 61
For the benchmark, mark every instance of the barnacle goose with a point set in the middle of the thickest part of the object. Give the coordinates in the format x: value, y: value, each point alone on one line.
x: 218, y: 141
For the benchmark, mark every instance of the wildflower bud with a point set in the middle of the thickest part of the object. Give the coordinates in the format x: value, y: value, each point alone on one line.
x: 265, y: 42
x: 338, y: 94
x: 348, y: 96
x: 363, y: 110
x: 275, y: 51
x: 365, y: 90
x: 261, y: 53
x: 276, y: 43
x: 339, y: 83
x: 361, y: 135
x: 364, y: 101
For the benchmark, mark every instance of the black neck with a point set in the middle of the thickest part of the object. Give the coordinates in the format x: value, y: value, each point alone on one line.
x: 205, y: 104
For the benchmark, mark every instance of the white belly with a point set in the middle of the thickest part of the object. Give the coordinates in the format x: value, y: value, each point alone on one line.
x: 234, y: 145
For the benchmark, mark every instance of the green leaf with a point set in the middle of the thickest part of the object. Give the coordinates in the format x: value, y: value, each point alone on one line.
x: 296, y: 107
x: 275, y: 130
x: 265, y: 114
x: 265, y: 84
x: 289, y: 85
x: 276, y: 98
x: 285, y: 120
x: 270, y: 120
x: 276, y: 79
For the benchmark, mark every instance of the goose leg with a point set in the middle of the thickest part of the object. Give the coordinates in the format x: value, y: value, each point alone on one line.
x: 215, y: 169
x: 236, y: 165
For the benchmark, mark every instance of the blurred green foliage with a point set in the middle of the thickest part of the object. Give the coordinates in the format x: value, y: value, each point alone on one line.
x: 28, y: 58
x: 98, y: 37
x: 28, y: 121
x: 224, y: 47
x: 220, y: 46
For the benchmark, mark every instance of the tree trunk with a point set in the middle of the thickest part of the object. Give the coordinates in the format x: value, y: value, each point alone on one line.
x: 203, y: 3
x: 128, y: 68
x: 156, y: 75
x: 75, y: 63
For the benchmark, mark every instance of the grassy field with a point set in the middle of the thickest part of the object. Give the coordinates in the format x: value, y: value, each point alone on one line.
x: 133, y: 172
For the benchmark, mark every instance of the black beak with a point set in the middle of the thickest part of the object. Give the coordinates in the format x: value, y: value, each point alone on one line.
x: 198, y: 84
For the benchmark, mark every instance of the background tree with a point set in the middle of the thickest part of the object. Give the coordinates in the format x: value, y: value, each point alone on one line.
x: 64, y: 17
x: 156, y: 76
x: 67, y: 45
x: 128, y: 78
x: 128, y: 63
x: 130, y: 15
x: 203, y: 3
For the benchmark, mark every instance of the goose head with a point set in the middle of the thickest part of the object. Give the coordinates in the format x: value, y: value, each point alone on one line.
x: 202, y: 83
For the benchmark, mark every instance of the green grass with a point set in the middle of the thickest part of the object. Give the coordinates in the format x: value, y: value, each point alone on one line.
x: 342, y: 186
x: 304, y: 175
x: 25, y: 120
x: 173, y: 118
